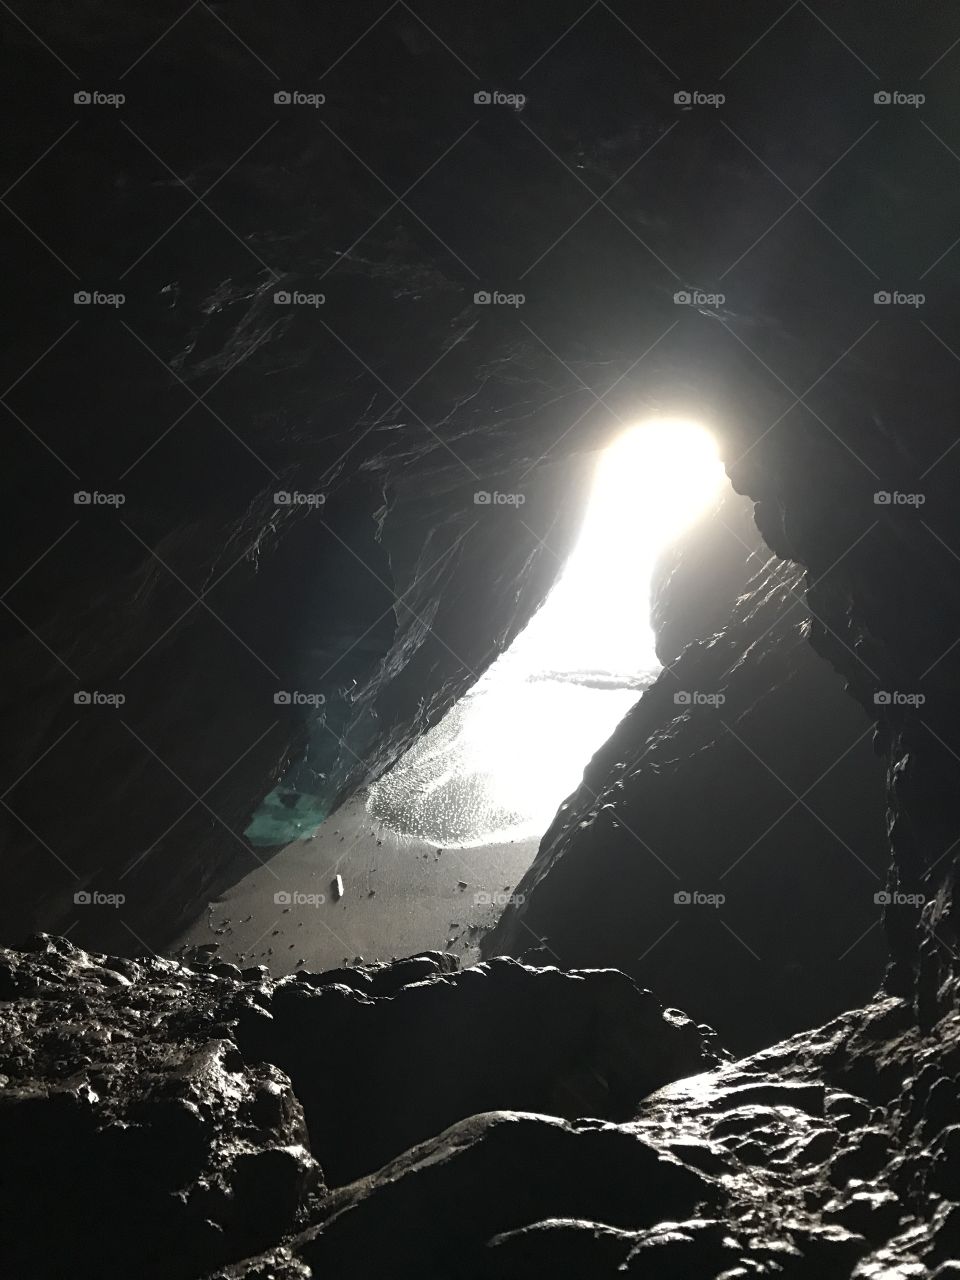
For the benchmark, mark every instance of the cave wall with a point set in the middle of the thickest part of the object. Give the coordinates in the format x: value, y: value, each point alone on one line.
x: 796, y: 199
x: 199, y: 598
x: 738, y: 803
x: 131, y: 1111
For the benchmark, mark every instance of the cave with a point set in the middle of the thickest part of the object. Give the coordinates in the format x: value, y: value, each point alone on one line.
x: 482, y: 641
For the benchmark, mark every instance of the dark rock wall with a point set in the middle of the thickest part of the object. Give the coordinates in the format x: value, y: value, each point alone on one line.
x: 699, y: 577
x: 797, y: 199
x: 727, y: 844
x: 200, y: 598
x: 130, y: 1111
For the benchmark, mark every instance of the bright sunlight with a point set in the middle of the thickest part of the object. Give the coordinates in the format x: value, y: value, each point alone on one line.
x: 501, y: 761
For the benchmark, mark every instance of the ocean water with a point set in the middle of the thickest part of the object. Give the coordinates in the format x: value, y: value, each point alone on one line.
x: 501, y: 761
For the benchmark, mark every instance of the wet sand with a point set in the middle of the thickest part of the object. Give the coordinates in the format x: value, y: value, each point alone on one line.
x: 400, y: 895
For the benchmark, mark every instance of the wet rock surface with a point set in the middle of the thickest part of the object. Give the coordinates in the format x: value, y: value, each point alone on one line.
x: 127, y: 1109
x: 132, y: 1113
x: 151, y: 1100
x: 151, y: 1097
x: 406, y: 1047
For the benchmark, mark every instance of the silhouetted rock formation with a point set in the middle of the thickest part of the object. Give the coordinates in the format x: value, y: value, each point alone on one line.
x: 151, y: 1127
x: 164, y: 1138
x: 150, y: 1100
x: 820, y: 398
x: 736, y: 803
x: 417, y: 1058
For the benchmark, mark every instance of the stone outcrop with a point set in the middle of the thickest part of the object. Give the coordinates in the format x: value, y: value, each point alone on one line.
x: 215, y: 1111
x: 189, y: 1107
x: 743, y: 267
x: 737, y: 802
x: 405, y: 1047
x: 129, y: 1112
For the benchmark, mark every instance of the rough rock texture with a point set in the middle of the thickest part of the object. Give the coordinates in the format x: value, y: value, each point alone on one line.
x: 135, y: 1109
x: 399, y: 398
x: 148, y: 1100
x: 128, y: 1112
x: 834, y: 1153
x: 738, y: 801
x: 197, y: 401
x: 409, y: 1051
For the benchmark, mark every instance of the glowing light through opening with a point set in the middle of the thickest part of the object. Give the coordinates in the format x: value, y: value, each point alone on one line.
x: 500, y: 762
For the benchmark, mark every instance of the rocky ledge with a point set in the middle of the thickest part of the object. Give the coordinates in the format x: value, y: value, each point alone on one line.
x: 416, y: 1120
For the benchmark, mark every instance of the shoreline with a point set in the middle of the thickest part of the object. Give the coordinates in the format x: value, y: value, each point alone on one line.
x: 401, y: 895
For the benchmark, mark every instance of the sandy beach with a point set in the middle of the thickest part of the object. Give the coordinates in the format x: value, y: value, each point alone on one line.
x: 400, y: 895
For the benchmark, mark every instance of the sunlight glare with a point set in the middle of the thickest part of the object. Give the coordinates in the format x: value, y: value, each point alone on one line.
x: 649, y: 485
x: 502, y: 760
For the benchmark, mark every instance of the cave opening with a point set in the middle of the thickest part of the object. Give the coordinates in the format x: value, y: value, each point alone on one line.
x: 501, y: 761
x: 429, y: 855
x: 646, y: 958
